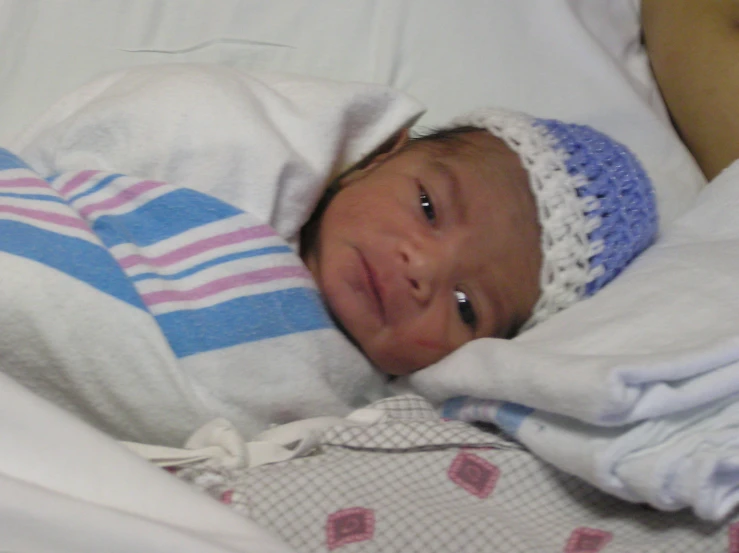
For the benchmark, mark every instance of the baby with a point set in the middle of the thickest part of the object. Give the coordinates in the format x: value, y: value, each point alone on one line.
x: 482, y: 229
x: 479, y: 230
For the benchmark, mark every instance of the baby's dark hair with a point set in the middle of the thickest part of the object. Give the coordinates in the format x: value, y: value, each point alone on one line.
x: 444, y: 135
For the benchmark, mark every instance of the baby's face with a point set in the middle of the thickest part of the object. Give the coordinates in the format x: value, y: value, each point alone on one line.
x: 431, y: 246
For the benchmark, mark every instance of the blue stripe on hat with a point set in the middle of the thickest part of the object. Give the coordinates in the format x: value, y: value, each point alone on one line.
x: 626, y: 203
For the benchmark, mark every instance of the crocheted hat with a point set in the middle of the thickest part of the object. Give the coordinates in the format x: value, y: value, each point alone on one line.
x: 597, y: 208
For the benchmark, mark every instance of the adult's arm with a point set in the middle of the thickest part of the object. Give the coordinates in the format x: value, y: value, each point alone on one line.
x: 693, y: 46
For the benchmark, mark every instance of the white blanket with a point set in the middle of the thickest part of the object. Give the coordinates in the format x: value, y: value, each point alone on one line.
x: 633, y: 388
x: 69, y: 489
x: 148, y: 307
x: 265, y: 142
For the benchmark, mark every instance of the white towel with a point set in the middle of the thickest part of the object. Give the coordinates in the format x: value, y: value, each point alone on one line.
x: 265, y: 142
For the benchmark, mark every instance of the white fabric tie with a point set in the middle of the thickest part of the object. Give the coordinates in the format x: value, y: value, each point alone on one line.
x: 219, y: 443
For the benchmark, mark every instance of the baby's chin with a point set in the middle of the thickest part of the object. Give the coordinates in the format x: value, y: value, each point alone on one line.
x: 387, y: 362
x: 394, y: 365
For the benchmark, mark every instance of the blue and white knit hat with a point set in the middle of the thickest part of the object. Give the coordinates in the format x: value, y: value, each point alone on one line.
x: 597, y: 208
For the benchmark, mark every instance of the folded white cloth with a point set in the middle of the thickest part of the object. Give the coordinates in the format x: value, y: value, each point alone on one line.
x: 265, y: 142
x: 85, y: 493
x: 662, y: 338
x: 604, y: 389
x: 685, y: 460
x: 632, y: 389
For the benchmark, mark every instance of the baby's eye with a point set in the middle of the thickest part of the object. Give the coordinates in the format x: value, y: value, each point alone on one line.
x: 466, y: 311
x: 427, y: 205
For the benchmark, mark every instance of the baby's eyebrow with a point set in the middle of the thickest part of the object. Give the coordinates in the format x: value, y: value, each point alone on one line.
x: 456, y: 195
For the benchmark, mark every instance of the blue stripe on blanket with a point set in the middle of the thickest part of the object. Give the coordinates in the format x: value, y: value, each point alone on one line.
x: 450, y: 408
x: 162, y: 218
x: 102, y: 183
x: 78, y: 258
x: 9, y: 160
x: 245, y: 319
x: 213, y: 262
x: 510, y: 417
x: 40, y: 197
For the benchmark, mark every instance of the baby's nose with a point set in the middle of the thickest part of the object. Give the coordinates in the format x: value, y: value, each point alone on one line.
x: 420, y: 269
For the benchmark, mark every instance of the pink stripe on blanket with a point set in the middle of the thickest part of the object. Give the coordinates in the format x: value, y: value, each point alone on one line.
x: 223, y: 284
x: 45, y: 216
x: 24, y: 182
x: 78, y: 180
x: 250, y: 233
x: 126, y: 195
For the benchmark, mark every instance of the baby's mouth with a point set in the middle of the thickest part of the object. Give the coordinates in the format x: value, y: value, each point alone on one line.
x: 373, y: 286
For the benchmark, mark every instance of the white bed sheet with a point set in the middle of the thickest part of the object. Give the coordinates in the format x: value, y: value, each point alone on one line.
x: 67, y: 487
x: 578, y: 60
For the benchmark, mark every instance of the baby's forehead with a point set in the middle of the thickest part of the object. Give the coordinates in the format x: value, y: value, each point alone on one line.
x: 465, y: 144
x: 477, y: 150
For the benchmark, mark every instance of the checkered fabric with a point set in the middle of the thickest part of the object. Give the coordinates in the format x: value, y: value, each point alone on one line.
x: 415, y: 483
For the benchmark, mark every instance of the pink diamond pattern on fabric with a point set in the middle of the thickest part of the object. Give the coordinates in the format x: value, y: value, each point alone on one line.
x: 349, y: 526
x: 734, y: 538
x: 227, y: 497
x: 587, y: 540
x: 474, y: 474
x: 418, y: 509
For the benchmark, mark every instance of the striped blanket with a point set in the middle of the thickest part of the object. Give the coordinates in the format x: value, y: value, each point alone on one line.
x: 244, y: 330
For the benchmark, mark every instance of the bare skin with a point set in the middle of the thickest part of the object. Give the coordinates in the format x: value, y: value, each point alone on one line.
x: 430, y: 246
x: 693, y: 46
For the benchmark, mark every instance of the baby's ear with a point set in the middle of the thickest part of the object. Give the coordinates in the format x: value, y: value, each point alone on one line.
x: 384, y: 151
x: 394, y: 143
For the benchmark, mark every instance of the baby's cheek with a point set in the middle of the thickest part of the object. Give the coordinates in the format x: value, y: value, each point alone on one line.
x: 412, y: 345
x: 432, y: 347
x: 407, y: 356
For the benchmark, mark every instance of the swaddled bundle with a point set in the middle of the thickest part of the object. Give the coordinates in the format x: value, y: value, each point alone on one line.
x: 248, y: 334
x: 142, y: 290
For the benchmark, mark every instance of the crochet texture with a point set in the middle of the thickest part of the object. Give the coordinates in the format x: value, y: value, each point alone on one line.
x: 597, y: 208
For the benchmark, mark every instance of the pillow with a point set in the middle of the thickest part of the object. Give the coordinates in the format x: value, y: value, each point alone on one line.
x: 577, y: 60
